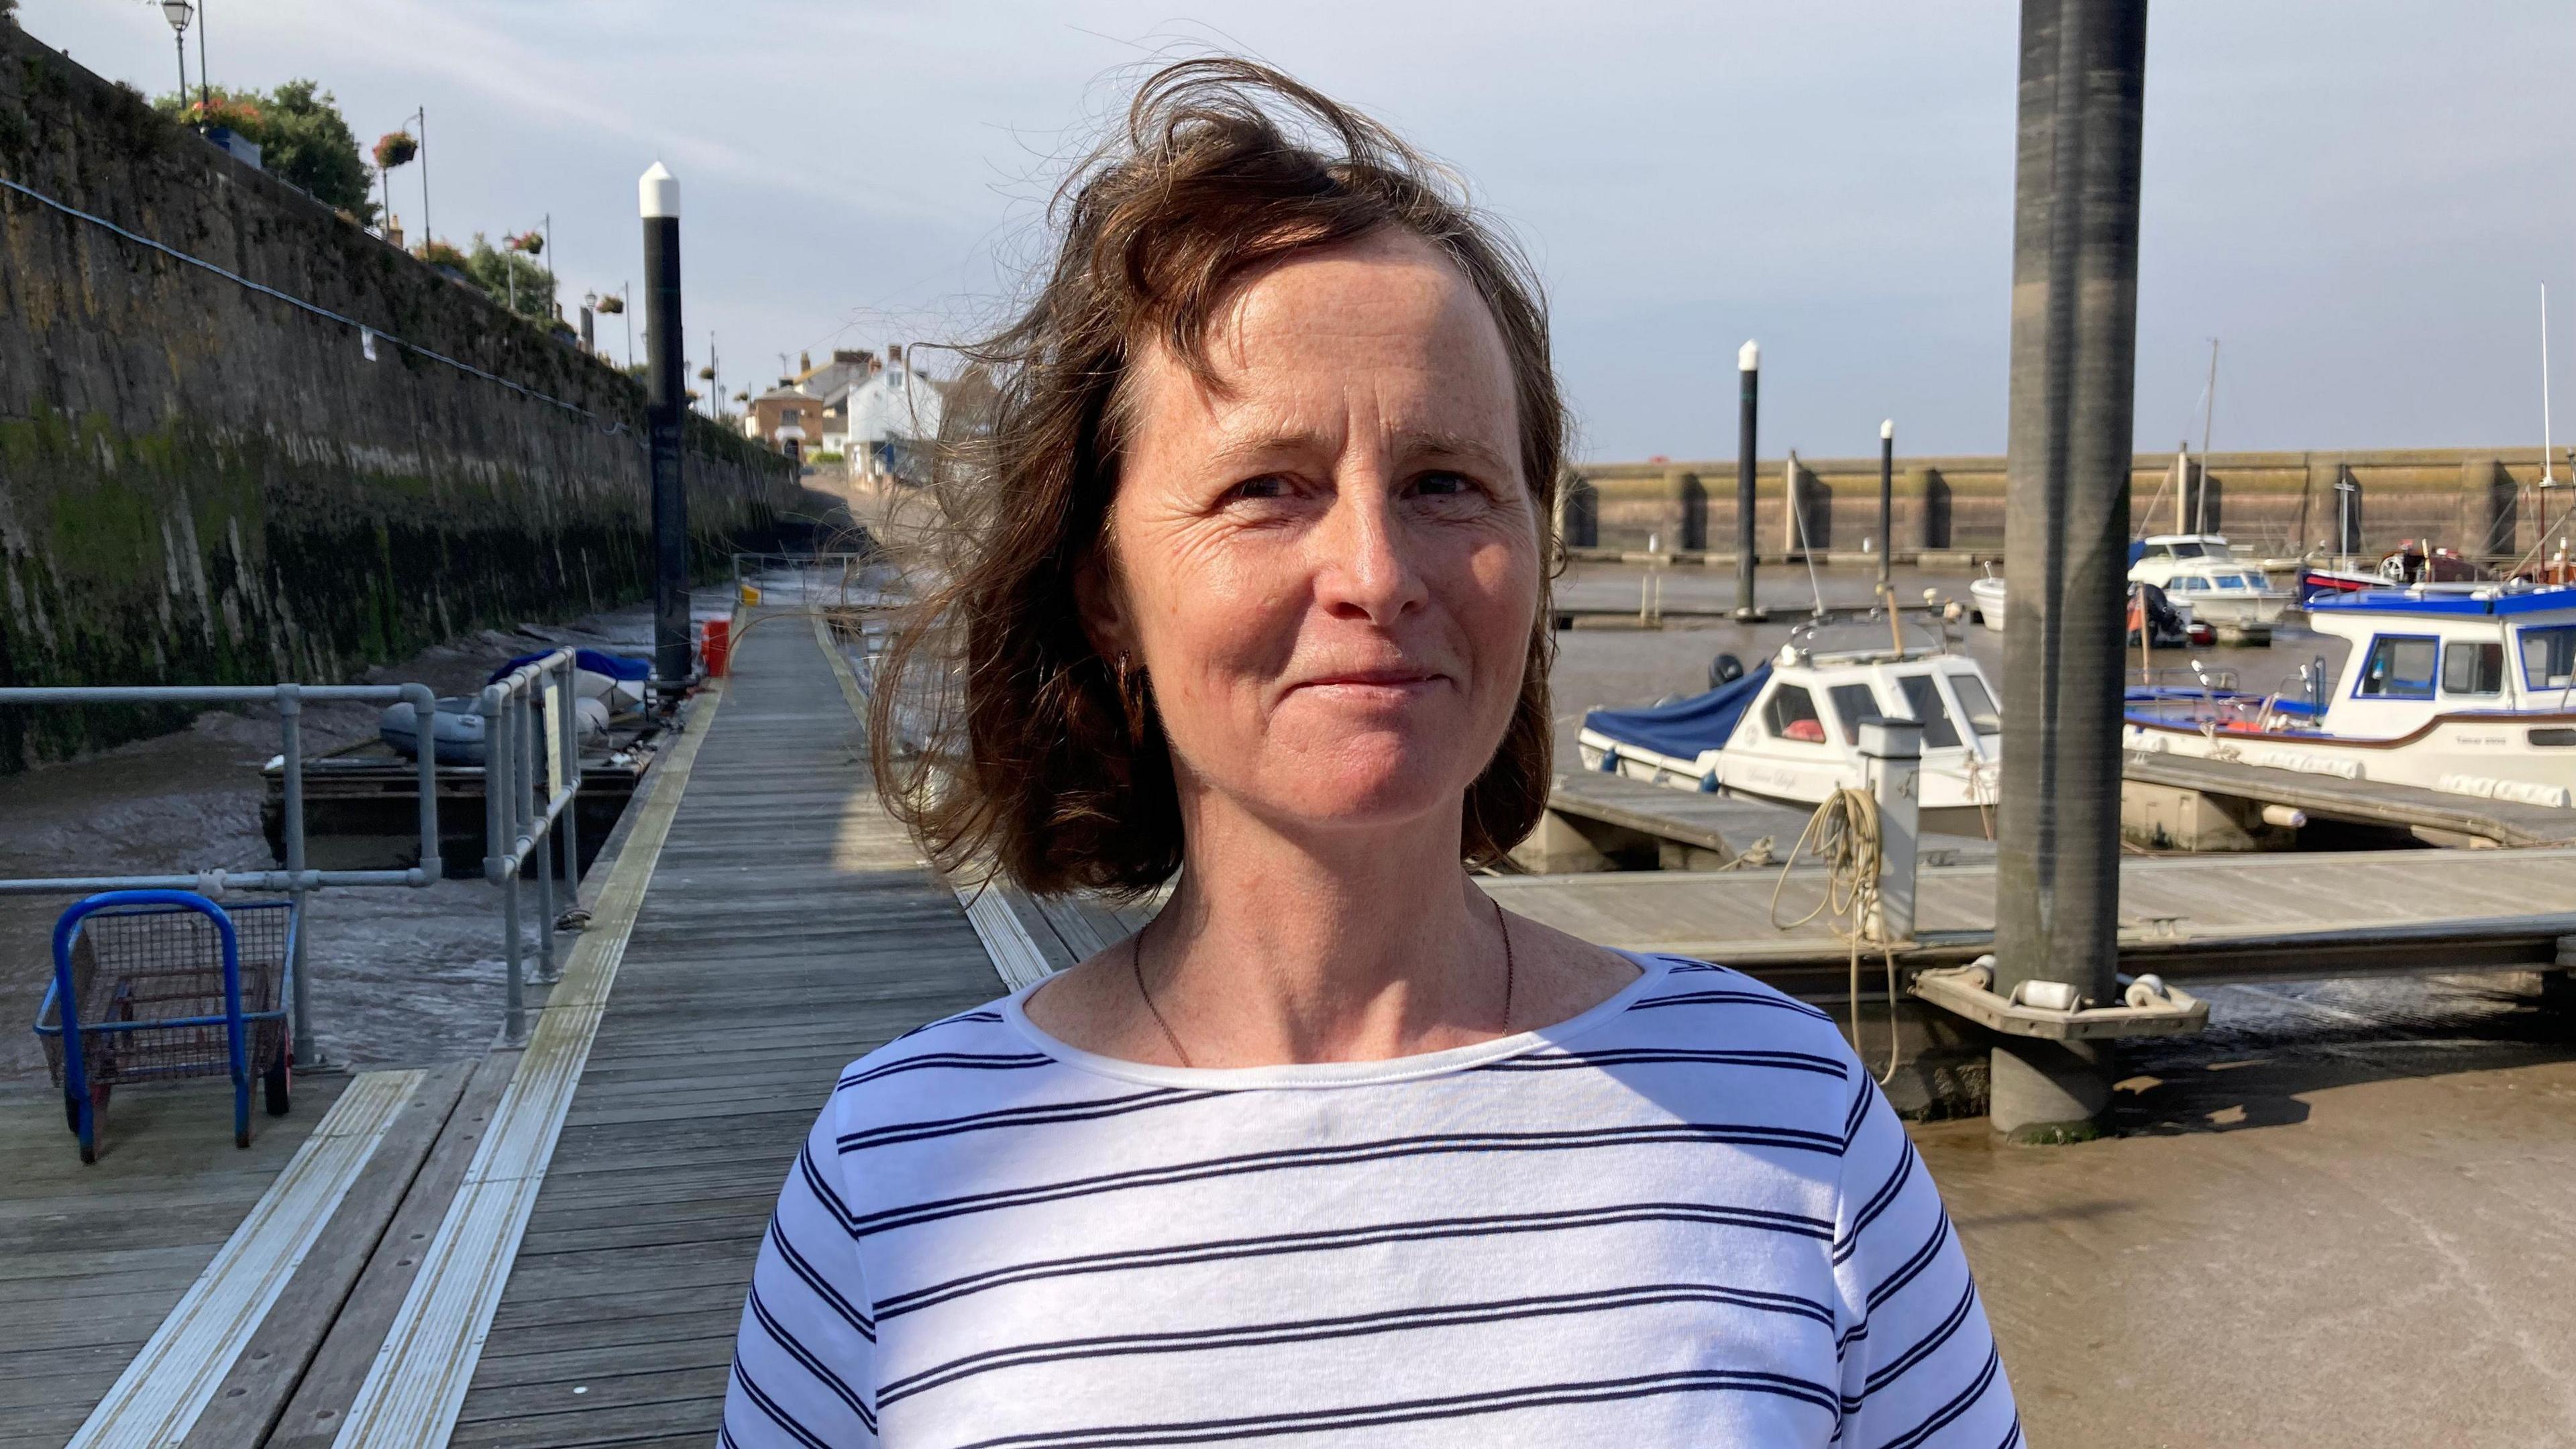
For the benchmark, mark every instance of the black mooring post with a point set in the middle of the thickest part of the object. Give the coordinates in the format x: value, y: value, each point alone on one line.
x: 1748, y: 366
x: 666, y: 408
x: 2074, y: 360
x: 1886, y: 500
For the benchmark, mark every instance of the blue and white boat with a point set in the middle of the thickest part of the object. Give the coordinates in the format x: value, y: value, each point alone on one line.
x: 1789, y: 731
x: 2469, y: 688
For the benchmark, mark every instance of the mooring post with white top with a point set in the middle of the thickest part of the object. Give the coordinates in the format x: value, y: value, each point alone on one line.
x: 1748, y: 367
x: 1886, y: 504
x: 1891, y: 752
x: 2066, y: 535
x: 665, y: 409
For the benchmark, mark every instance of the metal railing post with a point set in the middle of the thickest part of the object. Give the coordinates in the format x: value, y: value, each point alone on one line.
x: 305, y: 1051
x: 497, y: 867
x: 569, y: 823
x: 560, y: 700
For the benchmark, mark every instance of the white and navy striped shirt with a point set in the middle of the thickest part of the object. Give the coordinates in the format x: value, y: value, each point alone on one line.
x: 1685, y: 1217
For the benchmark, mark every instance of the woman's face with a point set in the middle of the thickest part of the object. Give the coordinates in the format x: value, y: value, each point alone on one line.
x: 1328, y: 563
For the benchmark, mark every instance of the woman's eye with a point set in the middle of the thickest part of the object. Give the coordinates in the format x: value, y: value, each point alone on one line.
x: 1442, y: 485
x: 1271, y: 486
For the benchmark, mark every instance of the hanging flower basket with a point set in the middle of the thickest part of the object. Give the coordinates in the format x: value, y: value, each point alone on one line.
x: 394, y: 148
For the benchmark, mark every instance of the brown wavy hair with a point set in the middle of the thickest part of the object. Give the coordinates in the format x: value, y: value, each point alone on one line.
x: 1034, y: 757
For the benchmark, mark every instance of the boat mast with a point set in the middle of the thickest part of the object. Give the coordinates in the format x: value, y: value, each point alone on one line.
x: 2547, y: 478
x: 2208, y: 415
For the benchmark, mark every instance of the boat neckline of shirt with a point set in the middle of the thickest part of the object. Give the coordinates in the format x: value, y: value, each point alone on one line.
x: 1651, y: 969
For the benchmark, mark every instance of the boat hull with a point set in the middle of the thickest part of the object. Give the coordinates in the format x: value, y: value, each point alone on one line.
x: 2506, y: 756
x: 1949, y: 804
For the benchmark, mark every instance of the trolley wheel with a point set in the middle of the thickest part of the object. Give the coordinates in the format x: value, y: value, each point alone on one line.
x: 275, y: 1086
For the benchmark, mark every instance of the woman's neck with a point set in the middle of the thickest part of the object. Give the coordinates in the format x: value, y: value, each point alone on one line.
x: 1347, y: 946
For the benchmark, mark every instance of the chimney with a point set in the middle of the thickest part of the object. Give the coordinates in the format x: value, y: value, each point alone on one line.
x: 804, y: 363
x: 894, y: 357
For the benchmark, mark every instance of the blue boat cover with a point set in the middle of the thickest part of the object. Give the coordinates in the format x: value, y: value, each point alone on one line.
x: 1684, y: 727
x: 615, y: 666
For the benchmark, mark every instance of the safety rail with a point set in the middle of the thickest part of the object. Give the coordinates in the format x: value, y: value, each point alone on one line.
x: 295, y: 880
x: 532, y: 703
x: 844, y: 567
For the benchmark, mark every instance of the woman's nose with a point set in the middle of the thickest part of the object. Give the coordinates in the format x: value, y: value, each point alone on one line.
x: 1366, y: 568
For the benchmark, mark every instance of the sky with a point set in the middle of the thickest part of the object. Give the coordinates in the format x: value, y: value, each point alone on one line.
x: 2360, y: 199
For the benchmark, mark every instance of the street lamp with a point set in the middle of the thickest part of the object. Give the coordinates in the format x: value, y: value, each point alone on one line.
x: 177, y: 12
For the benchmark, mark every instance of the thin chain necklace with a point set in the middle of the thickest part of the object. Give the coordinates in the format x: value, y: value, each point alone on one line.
x: 1136, y: 965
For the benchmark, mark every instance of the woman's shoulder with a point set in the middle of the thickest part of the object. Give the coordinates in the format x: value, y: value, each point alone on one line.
x: 1704, y: 998
x: 966, y: 1055
x: 1715, y: 1020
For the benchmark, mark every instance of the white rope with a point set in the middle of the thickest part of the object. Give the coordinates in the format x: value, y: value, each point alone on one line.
x: 1843, y: 835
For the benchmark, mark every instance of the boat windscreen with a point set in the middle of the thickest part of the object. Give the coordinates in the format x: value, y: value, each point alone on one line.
x: 1923, y: 701
x: 2549, y: 657
x: 2187, y: 548
x: 1977, y: 704
x: 1852, y: 704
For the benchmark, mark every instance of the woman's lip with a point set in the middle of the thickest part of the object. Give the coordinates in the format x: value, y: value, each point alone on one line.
x: 1388, y: 679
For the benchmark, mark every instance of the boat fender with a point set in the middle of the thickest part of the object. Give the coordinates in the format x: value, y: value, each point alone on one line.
x: 1610, y: 761
x: 1708, y: 783
x: 1725, y: 669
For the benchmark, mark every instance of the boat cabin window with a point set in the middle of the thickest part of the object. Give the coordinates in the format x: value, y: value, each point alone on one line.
x: 1976, y: 704
x: 2187, y: 549
x: 2189, y: 584
x: 1791, y: 714
x: 1923, y: 701
x: 2549, y: 656
x: 2157, y: 550
x: 2399, y: 666
x: 2472, y: 668
x: 1852, y: 704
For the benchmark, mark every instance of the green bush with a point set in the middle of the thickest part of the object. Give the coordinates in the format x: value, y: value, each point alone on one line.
x: 302, y: 138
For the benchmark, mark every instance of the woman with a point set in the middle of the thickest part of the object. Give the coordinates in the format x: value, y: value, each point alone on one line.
x: 1336, y: 1149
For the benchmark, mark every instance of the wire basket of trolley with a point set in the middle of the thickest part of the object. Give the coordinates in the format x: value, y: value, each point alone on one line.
x: 154, y: 985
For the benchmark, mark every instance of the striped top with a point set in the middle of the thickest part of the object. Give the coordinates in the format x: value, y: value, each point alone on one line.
x: 1685, y: 1217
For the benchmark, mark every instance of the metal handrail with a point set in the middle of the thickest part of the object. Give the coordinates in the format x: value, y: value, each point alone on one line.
x: 295, y: 880
x: 515, y: 826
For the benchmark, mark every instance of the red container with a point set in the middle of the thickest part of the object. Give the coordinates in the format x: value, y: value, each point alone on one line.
x: 715, y: 646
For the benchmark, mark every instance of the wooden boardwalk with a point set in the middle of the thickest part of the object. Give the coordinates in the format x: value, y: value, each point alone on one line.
x: 788, y: 928
x: 93, y: 1258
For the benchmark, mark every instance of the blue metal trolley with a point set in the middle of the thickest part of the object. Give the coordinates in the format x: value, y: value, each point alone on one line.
x: 152, y: 985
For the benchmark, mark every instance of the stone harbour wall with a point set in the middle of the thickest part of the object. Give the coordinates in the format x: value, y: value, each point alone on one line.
x: 201, y: 483
x: 2484, y: 502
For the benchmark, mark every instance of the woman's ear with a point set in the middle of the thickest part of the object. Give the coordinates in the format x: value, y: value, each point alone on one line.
x: 1098, y: 601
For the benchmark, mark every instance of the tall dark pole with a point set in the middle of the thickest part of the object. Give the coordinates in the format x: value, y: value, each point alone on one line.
x: 2066, y: 510
x: 666, y: 409
x: 1886, y: 500
x: 1748, y: 366
x: 422, y: 115
x: 205, y: 91
x: 179, y: 39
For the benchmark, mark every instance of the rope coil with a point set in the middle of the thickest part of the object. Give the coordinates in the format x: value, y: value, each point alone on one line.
x: 1843, y: 836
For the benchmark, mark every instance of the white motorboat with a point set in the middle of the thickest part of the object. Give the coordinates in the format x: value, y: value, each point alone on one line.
x: 2465, y: 687
x: 1987, y: 594
x: 2200, y: 571
x: 1789, y: 731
